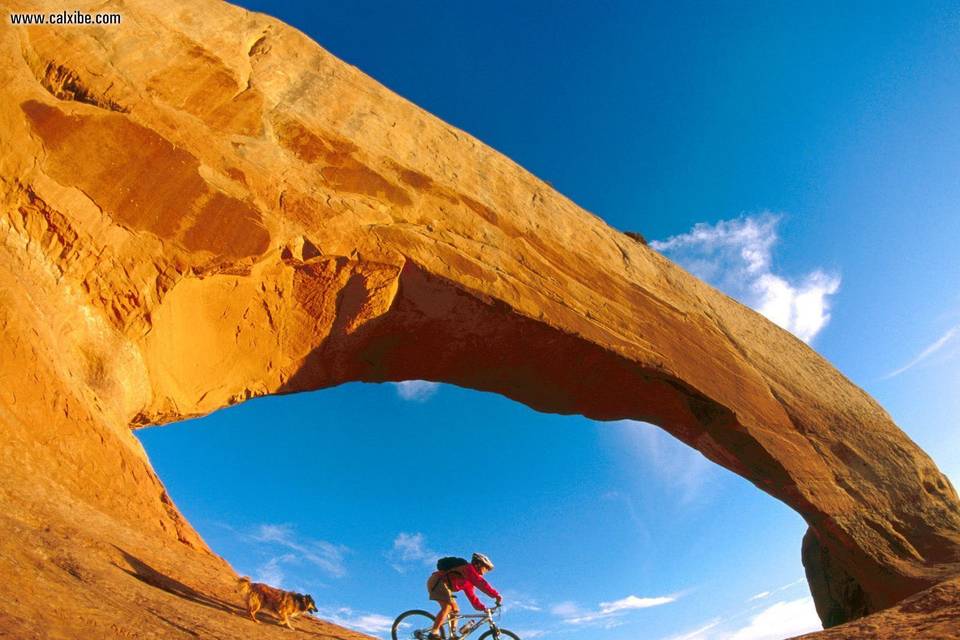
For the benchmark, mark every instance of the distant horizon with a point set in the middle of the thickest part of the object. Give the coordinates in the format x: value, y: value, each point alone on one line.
x: 801, y: 159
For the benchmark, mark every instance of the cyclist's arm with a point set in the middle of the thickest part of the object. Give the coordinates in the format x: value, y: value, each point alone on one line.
x: 477, y: 579
x: 472, y: 597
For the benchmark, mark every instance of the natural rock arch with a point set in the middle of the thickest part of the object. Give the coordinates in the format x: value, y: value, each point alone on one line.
x: 233, y: 212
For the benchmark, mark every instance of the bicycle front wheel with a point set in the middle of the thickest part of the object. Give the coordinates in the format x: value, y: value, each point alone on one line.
x: 414, y: 625
x: 500, y: 635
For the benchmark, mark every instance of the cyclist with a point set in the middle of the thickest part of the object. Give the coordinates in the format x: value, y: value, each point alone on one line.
x: 442, y: 584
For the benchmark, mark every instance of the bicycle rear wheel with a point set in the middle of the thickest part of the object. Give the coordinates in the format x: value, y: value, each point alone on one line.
x: 503, y: 633
x: 415, y: 625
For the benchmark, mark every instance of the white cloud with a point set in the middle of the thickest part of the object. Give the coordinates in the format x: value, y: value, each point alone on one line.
x: 633, y: 602
x: 736, y: 257
x: 410, y: 548
x: 516, y: 601
x: 273, y: 532
x: 630, y: 510
x: 325, y: 555
x: 926, y: 353
x: 531, y: 633
x: 780, y: 620
x: 416, y: 390
x: 271, y: 572
x: 586, y: 616
x: 698, y: 634
x: 370, y: 623
x: 681, y: 468
x: 607, y: 612
x: 766, y: 594
x: 565, y: 609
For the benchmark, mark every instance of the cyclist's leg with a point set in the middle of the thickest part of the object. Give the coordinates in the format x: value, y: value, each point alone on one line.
x: 445, y: 608
x: 440, y: 592
x: 454, y: 615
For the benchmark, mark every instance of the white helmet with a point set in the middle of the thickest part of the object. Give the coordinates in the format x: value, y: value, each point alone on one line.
x: 479, y: 558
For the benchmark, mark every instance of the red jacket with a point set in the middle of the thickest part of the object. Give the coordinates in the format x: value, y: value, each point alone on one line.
x: 465, y: 578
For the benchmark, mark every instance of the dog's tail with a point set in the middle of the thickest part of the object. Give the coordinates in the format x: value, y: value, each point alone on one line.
x: 244, y: 585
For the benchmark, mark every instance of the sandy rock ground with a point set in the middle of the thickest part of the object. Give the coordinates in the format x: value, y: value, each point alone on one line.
x: 933, y: 614
x: 59, y: 582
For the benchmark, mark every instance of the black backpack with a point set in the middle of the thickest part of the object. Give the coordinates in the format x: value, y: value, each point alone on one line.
x: 450, y: 562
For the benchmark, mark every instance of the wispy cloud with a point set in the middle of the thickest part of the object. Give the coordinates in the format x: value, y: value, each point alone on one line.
x: 736, y: 256
x: 926, y: 353
x: 410, y: 549
x: 272, y: 572
x: 371, y: 623
x: 766, y: 594
x: 780, y: 620
x: 634, y: 602
x: 680, y: 468
x: 416, y: 390
x: 326, y: 556
x: 699, y: 633
x: 565, y: 609
x: 630, y: 510
x: 516, y: 601
x: 783, y: 619
x: 571, y: 613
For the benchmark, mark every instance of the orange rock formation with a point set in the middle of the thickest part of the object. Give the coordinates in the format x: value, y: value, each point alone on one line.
x: 201, y: 205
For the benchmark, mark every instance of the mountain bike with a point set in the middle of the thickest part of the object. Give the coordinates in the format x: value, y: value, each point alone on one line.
x: 416, y: 625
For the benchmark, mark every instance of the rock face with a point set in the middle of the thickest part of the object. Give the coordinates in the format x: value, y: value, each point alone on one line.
x: 929, y: 615
x: 201, y: 205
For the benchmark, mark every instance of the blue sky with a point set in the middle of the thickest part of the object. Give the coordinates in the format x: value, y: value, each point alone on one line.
x: 803, y: 158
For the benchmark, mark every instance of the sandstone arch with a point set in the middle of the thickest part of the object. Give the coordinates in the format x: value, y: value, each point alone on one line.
x: 232, y: 212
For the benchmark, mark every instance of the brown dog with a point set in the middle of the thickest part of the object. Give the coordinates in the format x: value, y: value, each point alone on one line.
x: 284, y: 604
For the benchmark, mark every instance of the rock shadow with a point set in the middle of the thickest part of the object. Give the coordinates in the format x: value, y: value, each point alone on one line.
x: 148, y: 575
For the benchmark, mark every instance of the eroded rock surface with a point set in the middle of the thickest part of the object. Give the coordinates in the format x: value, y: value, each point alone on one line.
x: 929, y: 615
x: 201, y: 205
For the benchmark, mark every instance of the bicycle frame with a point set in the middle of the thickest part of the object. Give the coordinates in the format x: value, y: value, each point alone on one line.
x: 419, y: 624
x: 486, y: 616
